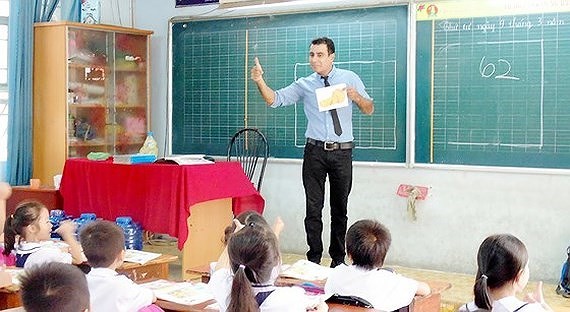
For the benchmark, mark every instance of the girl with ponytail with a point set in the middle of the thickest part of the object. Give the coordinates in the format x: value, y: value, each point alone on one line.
x: 502, y: 272
x: 248, y: 284
x: 28, y: 232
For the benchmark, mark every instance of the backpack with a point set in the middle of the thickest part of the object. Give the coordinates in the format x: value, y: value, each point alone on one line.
x: 564, y: 285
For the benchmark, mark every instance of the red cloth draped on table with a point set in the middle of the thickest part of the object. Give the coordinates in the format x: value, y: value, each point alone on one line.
x: 159, y: 196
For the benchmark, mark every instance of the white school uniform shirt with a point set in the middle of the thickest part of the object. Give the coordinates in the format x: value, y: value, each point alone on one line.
x: 44, y: 252
x: 510, y: 304
x: 282, y: 299
x: 110, y: 291
x: 385, y: 290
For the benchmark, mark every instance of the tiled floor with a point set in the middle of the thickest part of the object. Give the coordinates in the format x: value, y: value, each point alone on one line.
x: 459, y: 293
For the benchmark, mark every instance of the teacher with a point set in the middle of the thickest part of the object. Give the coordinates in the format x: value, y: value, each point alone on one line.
x: 328, y: 150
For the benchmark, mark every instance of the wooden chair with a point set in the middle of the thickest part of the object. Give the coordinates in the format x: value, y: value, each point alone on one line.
x: 356, y: 301
x: 249, y: 146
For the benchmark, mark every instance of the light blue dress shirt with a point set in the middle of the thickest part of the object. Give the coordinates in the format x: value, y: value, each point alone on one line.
x: 319, y: 124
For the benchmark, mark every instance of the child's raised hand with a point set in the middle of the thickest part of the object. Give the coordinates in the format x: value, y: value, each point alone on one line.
x: 320, y: 307
x: 278, y: 226
x: 67, y: 230
x: 537, y: 297
x: 5, y: 190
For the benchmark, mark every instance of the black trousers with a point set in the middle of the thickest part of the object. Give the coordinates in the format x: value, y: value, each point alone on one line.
x: 317, y: 164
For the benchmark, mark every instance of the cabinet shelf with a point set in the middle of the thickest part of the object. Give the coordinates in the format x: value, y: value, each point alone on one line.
x: 87, y: 106
x: 77, y: 65
x: 81, y: 143
x: 124, y: 106
x: 130, y: 70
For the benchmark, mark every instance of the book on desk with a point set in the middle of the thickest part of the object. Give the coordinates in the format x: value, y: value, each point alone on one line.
x: 185, y: 293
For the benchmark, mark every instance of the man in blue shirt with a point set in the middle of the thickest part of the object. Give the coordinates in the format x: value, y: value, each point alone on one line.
x: 329, y: 143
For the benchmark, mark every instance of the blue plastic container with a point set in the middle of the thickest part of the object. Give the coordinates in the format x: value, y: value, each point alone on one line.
x: 55, y: 217
x: 133, y: 232
x: 84, y: 219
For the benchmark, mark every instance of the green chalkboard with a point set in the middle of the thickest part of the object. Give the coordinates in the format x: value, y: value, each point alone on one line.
x: 213, y: 96
x: 494, y: 91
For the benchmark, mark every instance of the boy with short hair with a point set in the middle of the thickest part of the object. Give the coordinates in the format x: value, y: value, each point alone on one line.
x: 367, y: 243
x: 103, y: 243
x: 54, y: 287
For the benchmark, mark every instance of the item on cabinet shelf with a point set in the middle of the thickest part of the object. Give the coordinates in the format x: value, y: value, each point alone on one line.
x: 134, y: 127
x: 128, y: 90
x: 134, y: 159
x: 94, y: 74
x: 149, y: 146
x: 86, y: 88
x: 83, y: 130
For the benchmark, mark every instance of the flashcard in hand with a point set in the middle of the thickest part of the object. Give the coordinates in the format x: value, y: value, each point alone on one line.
x: 332, y: 97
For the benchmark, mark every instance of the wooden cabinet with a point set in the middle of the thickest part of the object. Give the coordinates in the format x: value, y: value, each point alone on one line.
x: 90, y: 93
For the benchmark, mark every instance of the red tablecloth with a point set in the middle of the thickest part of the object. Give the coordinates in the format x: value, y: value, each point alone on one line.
x: 159, y: 196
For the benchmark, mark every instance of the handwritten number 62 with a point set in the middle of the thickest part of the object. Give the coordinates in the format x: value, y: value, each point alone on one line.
x: 489, y: 70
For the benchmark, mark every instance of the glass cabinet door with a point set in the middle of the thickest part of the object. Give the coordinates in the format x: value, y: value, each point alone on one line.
x: 88, y: 91
x: 130, y: 98
x: 107, y: 92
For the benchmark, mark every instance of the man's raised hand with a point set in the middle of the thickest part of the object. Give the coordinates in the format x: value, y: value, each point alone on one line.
x: 256, y: 71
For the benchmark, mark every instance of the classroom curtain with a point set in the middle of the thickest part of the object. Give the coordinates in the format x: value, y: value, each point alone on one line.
x: 23, y: 15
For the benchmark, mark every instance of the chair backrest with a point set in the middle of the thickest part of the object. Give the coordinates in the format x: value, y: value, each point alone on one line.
x: 361, y: 302
x: 249, y: 146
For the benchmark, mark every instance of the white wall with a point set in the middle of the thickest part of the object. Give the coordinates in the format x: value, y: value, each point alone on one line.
x: 463, y: 207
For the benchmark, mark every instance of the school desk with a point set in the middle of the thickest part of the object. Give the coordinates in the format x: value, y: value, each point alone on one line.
x: 175, y: 307
x: 191, y: 202
x: 429, y: 303
x: 156, y: 268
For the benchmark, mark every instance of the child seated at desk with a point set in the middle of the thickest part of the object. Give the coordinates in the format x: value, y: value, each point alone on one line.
x: 54, y: 287
x: 367, y: 242
x: 5, y: 193
x: 502, y: 272
x: 104, y: 246
x: 30, y: 223
x: 247, y: 285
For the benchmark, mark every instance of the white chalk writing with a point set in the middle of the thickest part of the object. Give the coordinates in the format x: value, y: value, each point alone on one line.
x: 490, y: 26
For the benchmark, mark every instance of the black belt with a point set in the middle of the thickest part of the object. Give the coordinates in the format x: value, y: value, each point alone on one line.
x: 331, y: 146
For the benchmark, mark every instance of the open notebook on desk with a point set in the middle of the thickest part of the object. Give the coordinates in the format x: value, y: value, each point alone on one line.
x: 139, y: 256
x: 185, y: 293
x: 305, y: 270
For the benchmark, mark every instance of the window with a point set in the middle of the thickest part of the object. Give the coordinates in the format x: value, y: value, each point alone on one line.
x: 4, y: 12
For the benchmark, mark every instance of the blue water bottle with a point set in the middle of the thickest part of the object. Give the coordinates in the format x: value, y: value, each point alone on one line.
x: 55, y: 217
x: 132, y: 231
x: 84, y: 219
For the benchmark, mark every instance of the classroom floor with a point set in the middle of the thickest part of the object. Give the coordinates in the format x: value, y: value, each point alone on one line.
x: 459, y: 293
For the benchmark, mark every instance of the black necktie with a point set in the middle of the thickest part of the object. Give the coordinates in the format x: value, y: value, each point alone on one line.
x: 334, y: 114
